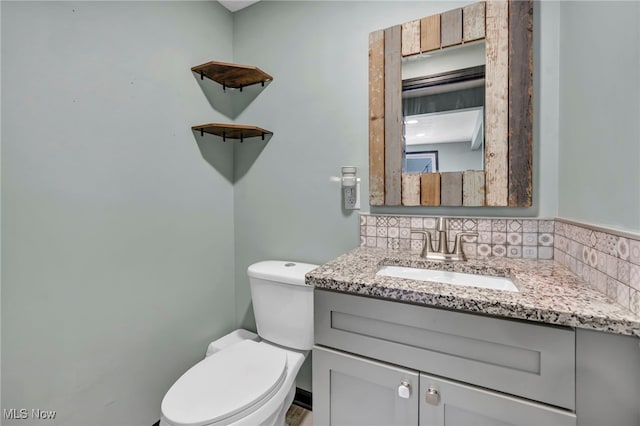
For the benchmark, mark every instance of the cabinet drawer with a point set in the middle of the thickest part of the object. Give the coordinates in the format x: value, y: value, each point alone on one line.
x: 528, y: 360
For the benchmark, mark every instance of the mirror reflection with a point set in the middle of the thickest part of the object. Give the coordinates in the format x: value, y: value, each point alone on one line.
x: 443, y: 110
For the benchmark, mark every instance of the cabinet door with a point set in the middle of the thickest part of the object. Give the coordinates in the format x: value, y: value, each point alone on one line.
x: 443, y: 402
x: 349, y: 390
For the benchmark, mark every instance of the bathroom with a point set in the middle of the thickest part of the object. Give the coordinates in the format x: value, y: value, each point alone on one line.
x: 126, y: 236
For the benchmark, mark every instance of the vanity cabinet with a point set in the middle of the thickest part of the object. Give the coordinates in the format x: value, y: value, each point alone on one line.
x: 460, y: 369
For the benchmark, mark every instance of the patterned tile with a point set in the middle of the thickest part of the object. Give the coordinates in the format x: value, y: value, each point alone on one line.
x: 530, y: 239
x: 499, y: 225
x: 371, y: 221
x: 381, y: 231
x: 634, y: 301
x: 363, y: 220
x: 606, y: 243
x: 530, y: 252
x: 363, y: 241
x: 416, y: 246
x: 557, y: 255
x: 514, y: 251
x: 405, y: 233
x: 545, y: 253
x: 514, y: 225
x: 484, y: 237
x: 455, y: 224
x: 498, y: 237
x: 545, y: 240
x: 634, y: 276
x: 429, y: 223
x: 622, y: 297
x: 593, y: 258
x: 499, y: 250
x: 371, y: 241
x: 514, y: 238
x: 484, y: 250
x: 405, y: 245
x: 623, y: 248
x: 585, y: 254
x: 602, y: 262
x: 416, y: 223
x: 634, y: 251
x: 382, y: 221
x: 381, y: 242
x: 484, y: 225
x: 371, y: 231
x: 545, y: 226
x: 470, y: 225
x: 624, y: 272
x: 393, y: 243
x: 404, y: 222
x: 393, y: 232
x: 612, y: 289
x: 612, y: 266
x: 393, y: 221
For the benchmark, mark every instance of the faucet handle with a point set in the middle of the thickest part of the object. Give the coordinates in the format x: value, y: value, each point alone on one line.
x: 457, y: 246
x: 428, y: 245
x: 441, y: 225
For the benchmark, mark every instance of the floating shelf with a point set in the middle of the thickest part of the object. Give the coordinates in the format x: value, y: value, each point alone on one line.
x: 232, y: 131
x: 232, y: 75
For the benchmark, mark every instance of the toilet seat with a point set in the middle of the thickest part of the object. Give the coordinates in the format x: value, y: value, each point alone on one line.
x: 226, y: 386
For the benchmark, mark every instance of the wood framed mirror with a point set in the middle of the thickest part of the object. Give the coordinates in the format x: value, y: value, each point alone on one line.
x: 506, y: 28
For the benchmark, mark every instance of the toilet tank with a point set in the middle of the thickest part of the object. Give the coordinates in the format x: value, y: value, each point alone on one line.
x: 282, y: 302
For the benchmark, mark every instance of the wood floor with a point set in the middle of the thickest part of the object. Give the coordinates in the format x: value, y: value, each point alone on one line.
x: 298, y: 416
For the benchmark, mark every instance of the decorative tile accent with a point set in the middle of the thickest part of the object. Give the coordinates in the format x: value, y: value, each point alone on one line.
x: 634, y: 251
x: 634, y: 301
x: 514, y: 238
x: 514, y: 225
x: 499, y: 225
x: 545, y: 226
x: 514, y: 251
x: 634, y: 276
x: 507, y: 233
x: 470, y: 225
x: 607, y: 259
x: 623, y: 248
x: 382, y: 221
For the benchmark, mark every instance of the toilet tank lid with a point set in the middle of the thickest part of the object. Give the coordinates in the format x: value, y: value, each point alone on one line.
x: 288, y: 272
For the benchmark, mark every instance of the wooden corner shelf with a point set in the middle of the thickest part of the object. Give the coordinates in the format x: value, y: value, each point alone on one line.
x: 232, y: 131
x: 232, y: 75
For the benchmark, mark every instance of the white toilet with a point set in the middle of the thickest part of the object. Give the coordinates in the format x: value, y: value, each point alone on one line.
x: 249, y: 379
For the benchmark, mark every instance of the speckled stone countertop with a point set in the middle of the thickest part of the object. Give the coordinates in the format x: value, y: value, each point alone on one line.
x: 548, y: 292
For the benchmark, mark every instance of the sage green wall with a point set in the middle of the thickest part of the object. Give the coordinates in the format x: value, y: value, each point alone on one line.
x: 286, y: 206
x: 117, y: 235
x: 600, y: 113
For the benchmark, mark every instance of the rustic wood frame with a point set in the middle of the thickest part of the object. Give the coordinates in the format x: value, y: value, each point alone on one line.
x: 507, y: 28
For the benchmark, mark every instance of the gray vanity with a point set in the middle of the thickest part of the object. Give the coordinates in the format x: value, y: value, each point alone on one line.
x: 393, y: 351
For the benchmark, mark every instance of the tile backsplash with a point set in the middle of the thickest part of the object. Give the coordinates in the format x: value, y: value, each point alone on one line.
x: 607, y: 260
x: 515, y: 238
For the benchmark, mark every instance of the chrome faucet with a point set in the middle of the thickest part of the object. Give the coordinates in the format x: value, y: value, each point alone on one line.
x: 442, y: 251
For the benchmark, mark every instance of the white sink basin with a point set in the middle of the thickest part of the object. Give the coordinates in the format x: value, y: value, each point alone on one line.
x: 455, y: 278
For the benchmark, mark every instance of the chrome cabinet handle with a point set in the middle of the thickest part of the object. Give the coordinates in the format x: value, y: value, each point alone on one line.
x: 433, y: 396
x: 404, y: 390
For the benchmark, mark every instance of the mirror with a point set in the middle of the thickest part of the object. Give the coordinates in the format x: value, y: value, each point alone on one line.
x: 443, y: 110
x: 450, y: 108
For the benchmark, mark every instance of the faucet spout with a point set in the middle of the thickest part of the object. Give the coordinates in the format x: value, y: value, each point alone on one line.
x: 442, y: 252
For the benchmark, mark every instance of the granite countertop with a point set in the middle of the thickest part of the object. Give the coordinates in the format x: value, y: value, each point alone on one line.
x: 548, y: 291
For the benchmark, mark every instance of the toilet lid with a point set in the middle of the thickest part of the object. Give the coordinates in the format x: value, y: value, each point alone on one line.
x: 225, y: 383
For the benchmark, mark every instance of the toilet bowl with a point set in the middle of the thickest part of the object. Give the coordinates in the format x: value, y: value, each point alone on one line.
x: 249, y: 379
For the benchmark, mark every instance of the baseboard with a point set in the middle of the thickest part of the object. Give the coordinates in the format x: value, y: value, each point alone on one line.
x: 303, y: 399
